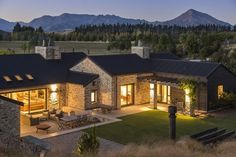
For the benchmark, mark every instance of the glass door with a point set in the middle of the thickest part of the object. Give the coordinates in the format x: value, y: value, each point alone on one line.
x: 127, y: 95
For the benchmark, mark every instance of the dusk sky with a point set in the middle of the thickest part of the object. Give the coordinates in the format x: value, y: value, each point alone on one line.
x: 152, y: 10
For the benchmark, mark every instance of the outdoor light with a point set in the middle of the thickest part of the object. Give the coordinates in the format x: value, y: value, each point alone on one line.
x: 53, y: 87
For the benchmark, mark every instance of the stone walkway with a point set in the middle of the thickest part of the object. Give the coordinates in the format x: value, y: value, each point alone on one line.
x: 63, y: 146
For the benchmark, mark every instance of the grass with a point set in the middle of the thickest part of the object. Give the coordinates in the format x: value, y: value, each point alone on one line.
x: 152, y: 126
x: 65, y: 46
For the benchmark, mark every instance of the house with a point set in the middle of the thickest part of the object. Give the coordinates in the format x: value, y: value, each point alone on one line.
x: 50, y: 79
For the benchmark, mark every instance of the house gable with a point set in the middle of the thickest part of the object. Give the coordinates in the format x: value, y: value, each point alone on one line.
x: 106, y: 80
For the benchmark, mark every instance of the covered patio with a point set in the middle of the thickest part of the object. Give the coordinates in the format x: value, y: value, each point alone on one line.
x: 165, y: 91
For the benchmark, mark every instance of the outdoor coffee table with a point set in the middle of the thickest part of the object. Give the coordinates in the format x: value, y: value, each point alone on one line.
x: 43, y: 127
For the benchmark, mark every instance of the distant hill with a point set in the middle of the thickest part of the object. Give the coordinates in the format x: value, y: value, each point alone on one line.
x: 194, y: 18
x: 70, y: 21
x: 6, y: 25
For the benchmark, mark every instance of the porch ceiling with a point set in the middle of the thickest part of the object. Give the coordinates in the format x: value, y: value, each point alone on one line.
x: 161, y: 80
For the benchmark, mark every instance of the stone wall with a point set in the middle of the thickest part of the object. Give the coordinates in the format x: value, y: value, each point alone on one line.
x: 141, y: 89
x: 93, y: 86
x: 75, y: 96
x: 106, y: 82
x: 10, y: 139
x: 177, y: 95
x: 9, y: 122
x: 202, y: 97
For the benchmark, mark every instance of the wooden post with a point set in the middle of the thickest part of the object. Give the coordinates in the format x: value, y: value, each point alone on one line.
x: 172, y: 130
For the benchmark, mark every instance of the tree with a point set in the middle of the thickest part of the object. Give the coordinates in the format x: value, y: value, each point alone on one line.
x: 17, y: 28
x: 24, y: 47
x: 192, y: 44
x: 163, y: 42
x: 88, y: 143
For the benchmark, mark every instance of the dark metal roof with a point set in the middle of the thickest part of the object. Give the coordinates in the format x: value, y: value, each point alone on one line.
x: 81, y: 77
x: 182, y: 67
x: 122, y: 64
x: 43, y: 71
x: 164, y: 55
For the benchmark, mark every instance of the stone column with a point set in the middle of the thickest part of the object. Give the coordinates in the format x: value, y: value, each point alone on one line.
x: 155, y: 95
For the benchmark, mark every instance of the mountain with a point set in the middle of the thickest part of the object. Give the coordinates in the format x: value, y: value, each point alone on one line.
x: 194, y: 18
x: 6, y: 25
x: 70, y: 21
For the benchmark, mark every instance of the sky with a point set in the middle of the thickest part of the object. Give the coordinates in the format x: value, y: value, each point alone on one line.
x: 152, y: 10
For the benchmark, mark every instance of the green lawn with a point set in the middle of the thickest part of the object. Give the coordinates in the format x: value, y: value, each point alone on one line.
x: 153, y: 125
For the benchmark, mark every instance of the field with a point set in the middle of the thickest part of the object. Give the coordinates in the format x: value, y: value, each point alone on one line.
x: 65, y: 46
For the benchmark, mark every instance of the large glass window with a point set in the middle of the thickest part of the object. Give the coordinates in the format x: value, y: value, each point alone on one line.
x: 127, y: 94
x: 34, y: 100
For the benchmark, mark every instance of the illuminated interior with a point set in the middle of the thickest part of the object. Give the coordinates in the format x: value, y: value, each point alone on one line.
x: 94, y: 96
x: 152, y: 93
x: 220, y: 91
x: 163, y: 93
x: 34, y: 100
x: 127, y: 95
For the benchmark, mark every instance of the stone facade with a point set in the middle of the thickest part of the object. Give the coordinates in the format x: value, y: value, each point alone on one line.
x: 75, y: 96
x: 9, y: 122
x: 10, y: 131
x: 92, y: 87
x: 106, y: 81
x: 141, y: 89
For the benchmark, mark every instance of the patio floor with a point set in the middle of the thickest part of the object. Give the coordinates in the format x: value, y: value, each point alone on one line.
x: 27, y: 130
x: 112, y: 117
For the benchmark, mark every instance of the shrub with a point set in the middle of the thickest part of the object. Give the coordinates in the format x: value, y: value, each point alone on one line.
x: 227, y: 99
x: 88, y: 143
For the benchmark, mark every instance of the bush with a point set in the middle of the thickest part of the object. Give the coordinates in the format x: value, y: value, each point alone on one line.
x: 88, y: 143
x: 227, y: 99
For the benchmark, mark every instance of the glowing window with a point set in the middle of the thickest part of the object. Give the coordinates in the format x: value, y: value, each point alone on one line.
x: 30, y: 77
x: 220, y: 91
x: 94, y: 96
x: 7, y: 78
x: 18, y: 77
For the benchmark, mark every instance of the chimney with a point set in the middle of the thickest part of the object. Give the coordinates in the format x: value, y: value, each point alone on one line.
x: 143, y: 52
x: 48, y: 52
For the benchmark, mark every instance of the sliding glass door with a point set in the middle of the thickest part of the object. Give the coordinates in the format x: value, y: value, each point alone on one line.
x: 127, y: 94
x: 163, y: 93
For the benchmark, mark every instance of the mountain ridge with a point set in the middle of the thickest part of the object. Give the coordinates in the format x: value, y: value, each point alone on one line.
x: 69, y: 21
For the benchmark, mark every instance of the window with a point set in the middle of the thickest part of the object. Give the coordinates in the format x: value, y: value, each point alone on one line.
x: 7, y: 78
x: 34, y: 100
x: 220, y: 91
x: 18, y: 77
x: 30, y: 77
x: 94, y: 96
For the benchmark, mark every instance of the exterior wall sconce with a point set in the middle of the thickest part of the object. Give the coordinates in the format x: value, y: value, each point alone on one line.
x: 53, y: 88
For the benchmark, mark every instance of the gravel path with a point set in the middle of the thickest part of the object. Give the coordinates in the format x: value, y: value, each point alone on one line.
x: 63, y: 146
